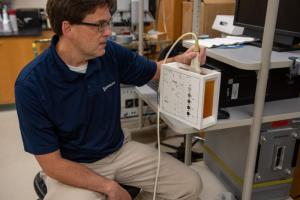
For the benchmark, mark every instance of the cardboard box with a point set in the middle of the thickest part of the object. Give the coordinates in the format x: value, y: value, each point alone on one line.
x: 156, y: 36
x: 209, y: 10
x: 172, y: 10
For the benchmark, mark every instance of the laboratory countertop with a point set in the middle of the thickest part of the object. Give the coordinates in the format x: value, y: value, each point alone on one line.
x: 239, y: 115
x: 23, y: 33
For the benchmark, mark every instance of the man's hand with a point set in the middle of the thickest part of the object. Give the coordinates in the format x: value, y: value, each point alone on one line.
x: 116, y: 192
x: 189, y: 54
x: 184, y: 58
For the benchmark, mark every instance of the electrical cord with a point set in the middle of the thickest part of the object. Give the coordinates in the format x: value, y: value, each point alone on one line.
x: 196, y: 49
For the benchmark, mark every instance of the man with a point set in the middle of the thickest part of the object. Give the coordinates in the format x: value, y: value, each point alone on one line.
x: 68, y: 104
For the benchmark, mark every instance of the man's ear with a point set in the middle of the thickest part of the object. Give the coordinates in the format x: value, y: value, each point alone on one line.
x: 66, y: 28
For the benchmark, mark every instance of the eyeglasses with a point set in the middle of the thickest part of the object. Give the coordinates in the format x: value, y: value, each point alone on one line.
x: 102, y: 25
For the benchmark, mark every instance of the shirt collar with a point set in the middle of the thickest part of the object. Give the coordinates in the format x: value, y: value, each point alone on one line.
x: 93, y: 64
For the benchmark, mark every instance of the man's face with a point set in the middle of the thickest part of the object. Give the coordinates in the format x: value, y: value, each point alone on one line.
x: 91, y: 40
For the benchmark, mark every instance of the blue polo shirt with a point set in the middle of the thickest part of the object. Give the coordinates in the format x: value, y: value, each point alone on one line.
x: 79, y: 114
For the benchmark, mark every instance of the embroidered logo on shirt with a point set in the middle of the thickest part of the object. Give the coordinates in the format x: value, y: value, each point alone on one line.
x: 108, y: 86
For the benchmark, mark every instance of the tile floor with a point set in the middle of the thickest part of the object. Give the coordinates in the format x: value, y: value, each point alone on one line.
x: 17, y: 168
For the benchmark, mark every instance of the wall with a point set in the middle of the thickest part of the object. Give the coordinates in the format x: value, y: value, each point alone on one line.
x: 28, y: 3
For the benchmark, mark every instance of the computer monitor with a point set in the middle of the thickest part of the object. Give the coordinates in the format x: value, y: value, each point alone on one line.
x: 251, y: 15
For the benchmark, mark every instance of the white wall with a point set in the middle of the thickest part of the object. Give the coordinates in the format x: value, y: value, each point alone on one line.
x: 29, y: 3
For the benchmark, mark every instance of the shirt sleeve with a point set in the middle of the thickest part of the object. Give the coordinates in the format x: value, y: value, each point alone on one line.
x: 36, y: 129
x: 134, y: 69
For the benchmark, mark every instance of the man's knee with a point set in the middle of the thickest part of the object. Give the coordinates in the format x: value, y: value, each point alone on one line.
x: 74, y: 194
x: 59, y: 191
x: 195, y: 186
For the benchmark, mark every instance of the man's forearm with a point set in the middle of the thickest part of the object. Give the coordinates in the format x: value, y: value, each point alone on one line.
x: 78, y: 175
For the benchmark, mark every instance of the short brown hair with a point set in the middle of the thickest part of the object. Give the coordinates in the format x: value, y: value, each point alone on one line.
x: 73, y: 11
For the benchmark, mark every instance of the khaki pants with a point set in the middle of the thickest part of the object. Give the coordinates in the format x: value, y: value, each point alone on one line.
x: 135, y: 164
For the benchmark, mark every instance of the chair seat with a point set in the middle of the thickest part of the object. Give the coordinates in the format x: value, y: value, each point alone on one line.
x: 41, y: 188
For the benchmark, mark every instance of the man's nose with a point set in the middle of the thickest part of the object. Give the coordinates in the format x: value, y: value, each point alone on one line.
x: 107, y: 31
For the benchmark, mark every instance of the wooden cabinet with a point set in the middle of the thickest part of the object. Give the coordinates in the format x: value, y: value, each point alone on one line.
x: 169, y: 18
x: 295, y: 190
x: 15, y: 53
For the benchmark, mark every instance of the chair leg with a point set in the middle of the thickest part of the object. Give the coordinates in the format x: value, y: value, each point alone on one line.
x: 180, y: 150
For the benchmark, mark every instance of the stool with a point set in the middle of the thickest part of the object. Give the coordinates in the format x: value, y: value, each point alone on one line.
x: 41, y: 188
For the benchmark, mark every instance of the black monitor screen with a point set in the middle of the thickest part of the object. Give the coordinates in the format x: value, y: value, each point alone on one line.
x: 251, y: 14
